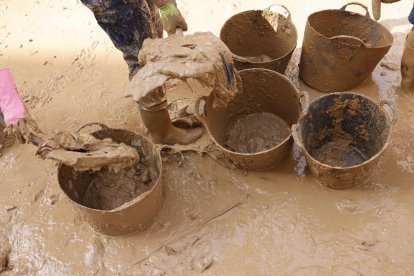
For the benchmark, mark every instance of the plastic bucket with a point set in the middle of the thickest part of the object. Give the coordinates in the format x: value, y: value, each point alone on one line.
x: 257, y: 42
x: 264, y: 91
x: 343, y: 136
x: 130, y: 217
x: 341, y: 49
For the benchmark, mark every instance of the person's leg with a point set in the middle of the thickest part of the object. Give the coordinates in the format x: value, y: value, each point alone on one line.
x: 154, y: 114
x: 128, y: 24
x: 407, y: 65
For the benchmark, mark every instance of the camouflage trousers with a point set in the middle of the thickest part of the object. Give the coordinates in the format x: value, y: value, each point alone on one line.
x: 128, y: 23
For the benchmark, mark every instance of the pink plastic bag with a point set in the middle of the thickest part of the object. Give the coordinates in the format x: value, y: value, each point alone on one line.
x: 10, y: 103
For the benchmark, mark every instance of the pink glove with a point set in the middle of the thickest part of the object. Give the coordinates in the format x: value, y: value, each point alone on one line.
x: 10, y: 103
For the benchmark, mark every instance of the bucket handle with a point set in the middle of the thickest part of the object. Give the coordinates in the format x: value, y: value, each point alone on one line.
x: 289, y: 14
x: 102, y: 125
x: 343, y: 39
x: 295, y: 135
x: 392, y: 106
x: 199, y: 116
x: 358, y: 4
x: 304, y: 101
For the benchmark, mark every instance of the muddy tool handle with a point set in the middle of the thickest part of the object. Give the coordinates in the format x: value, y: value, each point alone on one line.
x: 376, y: 9
x: 357, y: 4
x: 392, y: 106
x: 199, y: 116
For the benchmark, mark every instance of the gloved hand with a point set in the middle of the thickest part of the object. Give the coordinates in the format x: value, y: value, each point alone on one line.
x: 19, y: 123
x: 172, y: 19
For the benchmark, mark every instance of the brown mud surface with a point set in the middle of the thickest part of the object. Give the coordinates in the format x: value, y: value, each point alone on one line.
x: 256, y: 132
x: 215, y: 220
x: 109, y: 190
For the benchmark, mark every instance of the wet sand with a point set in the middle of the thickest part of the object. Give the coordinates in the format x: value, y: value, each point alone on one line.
x: 221, y: 221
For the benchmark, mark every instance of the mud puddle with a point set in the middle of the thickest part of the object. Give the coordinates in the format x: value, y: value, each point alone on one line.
x: 256, y: 132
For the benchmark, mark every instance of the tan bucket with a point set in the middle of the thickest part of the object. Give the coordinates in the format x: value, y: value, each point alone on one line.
x: 130, y: 217
x: 256, y: 43
x: 264, y: 91
x: 343, y: 136
x: 341, y: 49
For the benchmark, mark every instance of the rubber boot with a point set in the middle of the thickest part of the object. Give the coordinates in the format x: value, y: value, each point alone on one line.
x: 407, y: 65
x: 162, y: 131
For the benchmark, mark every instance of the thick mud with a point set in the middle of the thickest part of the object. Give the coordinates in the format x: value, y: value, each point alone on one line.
x: 256, y: 132
x: 214, y: 219
x: 109, y: 190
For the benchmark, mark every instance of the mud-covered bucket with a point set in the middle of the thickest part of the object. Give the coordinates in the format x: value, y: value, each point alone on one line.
x: 260, y: 39
x: 343, y: 136
x: 117, y: 209
x: 253, y: 129
x: 341, y: 49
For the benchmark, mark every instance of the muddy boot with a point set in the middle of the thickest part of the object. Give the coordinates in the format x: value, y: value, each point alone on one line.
x: 407, y: 65
x: 162, y: 130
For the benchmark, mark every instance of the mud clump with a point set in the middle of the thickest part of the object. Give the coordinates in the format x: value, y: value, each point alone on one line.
x: 5, y: 250
x: 6, y: 141
x: 109, y: 190
x: 256, y: 132
x: 340, y: 153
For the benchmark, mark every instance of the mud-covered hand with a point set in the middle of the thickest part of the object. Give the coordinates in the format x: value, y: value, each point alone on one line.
x: 18, y: 121
x: 172, y: 19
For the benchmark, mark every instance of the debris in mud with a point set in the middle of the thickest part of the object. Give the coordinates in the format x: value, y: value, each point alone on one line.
x: 256, y: 132
x: 6, y: 141
x: 390, y: 66
x: 84, y: 152
x: 340, y: 152
x: 201, y: 56
x: 5, y: 250
x: 109, y: 190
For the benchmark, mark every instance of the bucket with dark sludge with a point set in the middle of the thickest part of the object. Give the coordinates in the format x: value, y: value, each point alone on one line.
x: 343, y: 136
x: 341, y: 49
x: 260, y: 39
x: 253, y: 130
x: 119, y: 203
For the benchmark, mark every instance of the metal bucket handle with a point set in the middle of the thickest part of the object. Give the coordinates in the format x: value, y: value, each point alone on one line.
x: 391, y: 105
x: 199, y: 116
x: 358, y: 4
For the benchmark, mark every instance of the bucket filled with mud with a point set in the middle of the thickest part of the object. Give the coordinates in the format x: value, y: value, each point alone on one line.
x: 253, y: 130
x: 260, y: 39
x: 341, y: 49
x: 117, y: 203
x: 343, y: 136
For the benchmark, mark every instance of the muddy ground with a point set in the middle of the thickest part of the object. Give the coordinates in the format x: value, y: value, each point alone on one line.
x: 214, y: 220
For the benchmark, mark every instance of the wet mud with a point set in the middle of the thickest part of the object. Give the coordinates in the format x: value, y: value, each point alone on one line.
x: 214, y: 220
x: 109, y: 190
x: 256, y: 132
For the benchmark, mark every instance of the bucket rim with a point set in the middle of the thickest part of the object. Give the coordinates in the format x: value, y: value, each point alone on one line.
x: 286, y: 140
x: 238, y: 57
x: 308, y: 24
x: 374, y: 157
x: 131, y: 202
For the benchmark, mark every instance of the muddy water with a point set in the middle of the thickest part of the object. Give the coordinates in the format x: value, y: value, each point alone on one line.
x: 256, y: 132
x: 109, y: 190
x: 223, y: 221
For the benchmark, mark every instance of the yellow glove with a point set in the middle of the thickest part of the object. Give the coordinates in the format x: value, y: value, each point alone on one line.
x: 172, y: 19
